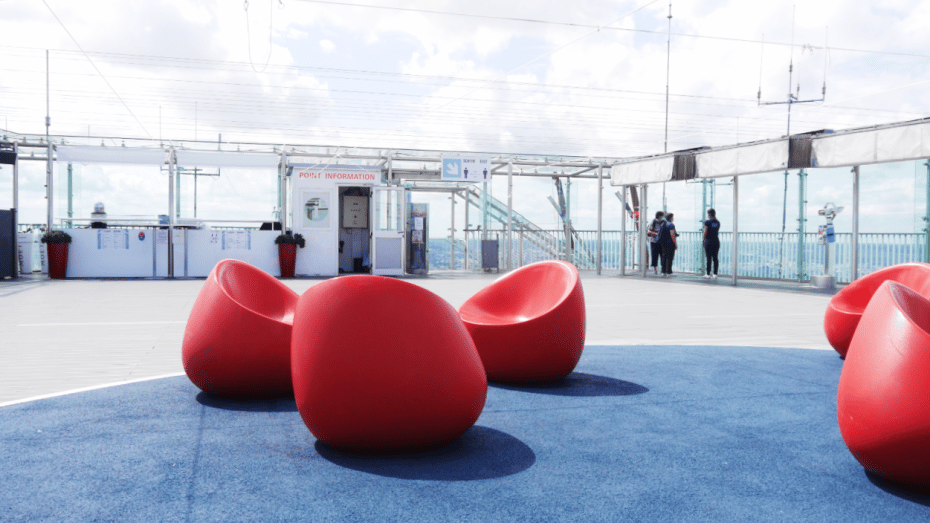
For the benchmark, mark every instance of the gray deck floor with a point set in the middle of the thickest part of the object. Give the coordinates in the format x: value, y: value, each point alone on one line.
x: 58, y: 336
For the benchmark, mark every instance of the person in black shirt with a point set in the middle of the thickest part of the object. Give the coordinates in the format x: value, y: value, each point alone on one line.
x: 668, y: 240
x: 711, y: 242
x: 653, y: 233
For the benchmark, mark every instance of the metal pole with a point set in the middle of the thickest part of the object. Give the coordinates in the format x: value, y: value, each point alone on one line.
x: 16, y: 187
x: 70, y: 194
x: 623, y: 234
x: 50, y: 189
x: 927, y: 216
x: 668, y: 68
x: 177, y: 195
x: 735, y: 226
x: 509, y: 214
x: 566, y: 226
x: 285, y: 203
x: 854, y: 249
x: 521, y: 244
x: 282, y: 197
x: 600, y: 213
x: 802, y: 228
x: 467, y: 205
x: 390, y: 166
x: 643, y: 260
x: 49, y: 177
x: 568, y: 199
x: 484, y: 211
x: 171, y: 174
x: 452, y: 234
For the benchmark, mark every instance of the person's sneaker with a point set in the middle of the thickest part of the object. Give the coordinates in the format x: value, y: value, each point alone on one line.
x: 670, y: 275
x: 715, y: 276
x: 706, y: 276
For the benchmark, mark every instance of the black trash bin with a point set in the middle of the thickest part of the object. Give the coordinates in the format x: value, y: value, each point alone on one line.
x: 489, y: 254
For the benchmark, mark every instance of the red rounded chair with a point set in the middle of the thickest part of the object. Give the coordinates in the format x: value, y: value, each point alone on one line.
x: 529, y: 325
x: 382, y: 366
x: 845, y: 308
x: 238, y: 338
x: 883, y: 400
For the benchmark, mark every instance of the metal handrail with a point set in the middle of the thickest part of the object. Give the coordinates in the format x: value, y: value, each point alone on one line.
x: 758, y: 253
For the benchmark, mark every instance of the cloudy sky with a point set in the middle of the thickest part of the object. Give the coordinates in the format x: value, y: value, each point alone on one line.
x: 434, y: 75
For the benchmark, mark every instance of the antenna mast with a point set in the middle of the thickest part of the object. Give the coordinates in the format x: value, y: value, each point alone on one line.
x: 792, y: 99
x: 668, y: 68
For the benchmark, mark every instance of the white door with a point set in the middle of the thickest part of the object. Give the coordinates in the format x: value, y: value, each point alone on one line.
x: 316, y: 218
x: 387, y: 243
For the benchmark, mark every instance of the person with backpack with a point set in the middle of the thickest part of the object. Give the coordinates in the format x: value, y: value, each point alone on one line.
x: 711, y: 241
x: 668, y: 239
x: 653, y: 233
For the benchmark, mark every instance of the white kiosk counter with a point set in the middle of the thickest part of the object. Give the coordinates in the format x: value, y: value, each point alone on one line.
x: 143, y: 253
x: 111, y: 253
x: 205, y: 248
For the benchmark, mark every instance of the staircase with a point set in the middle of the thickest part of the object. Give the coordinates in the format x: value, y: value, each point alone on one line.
x: 552, y: 245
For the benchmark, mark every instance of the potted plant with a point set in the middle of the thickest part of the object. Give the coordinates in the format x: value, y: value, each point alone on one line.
x: 57, y: 242
x: 287, y: 252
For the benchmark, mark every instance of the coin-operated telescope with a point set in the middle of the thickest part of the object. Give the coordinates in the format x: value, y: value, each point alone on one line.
x: 827, y: 236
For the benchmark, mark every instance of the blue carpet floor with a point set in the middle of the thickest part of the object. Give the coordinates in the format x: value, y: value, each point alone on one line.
x: 637, y: 433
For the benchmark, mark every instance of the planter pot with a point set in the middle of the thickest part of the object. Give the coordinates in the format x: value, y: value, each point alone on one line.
x: 57, y: 260
x: 287, y: 257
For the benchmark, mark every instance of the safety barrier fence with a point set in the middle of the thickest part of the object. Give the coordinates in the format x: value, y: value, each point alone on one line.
x: 764, y: 255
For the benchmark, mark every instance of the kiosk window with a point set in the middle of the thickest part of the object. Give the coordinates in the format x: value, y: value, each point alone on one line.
x: 387, y: 207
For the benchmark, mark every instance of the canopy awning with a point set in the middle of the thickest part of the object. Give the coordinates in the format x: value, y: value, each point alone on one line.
x: 746, y: 159
x: 886, y: 145
x: 653, y: 170
x: 91, y: 154
x: 231, y: 159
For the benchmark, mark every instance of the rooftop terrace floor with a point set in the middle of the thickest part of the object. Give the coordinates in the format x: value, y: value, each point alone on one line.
x: 61, y: 335
x: 694, y: 401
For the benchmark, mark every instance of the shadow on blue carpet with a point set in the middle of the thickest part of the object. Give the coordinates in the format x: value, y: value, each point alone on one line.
x: 482, y: 453
x: 577, y: 384
x: 917, y: 496
x: 264, y: 405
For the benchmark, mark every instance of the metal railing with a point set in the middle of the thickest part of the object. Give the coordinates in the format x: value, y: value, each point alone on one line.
x: 759, y: 252
x: 31, y: 227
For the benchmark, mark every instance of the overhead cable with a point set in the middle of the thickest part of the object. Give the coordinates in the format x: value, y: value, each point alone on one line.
x: 589, y: 26
x: 96, y: 68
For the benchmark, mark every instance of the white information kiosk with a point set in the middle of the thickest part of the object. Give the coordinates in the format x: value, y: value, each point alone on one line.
x: 351, y: 222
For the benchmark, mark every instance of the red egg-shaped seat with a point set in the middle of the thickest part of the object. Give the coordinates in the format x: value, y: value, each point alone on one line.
x: 845, y: 308
x: 238, y: 338
x: 383, y: 366
x: 883, y: 400
x: 529, y: 325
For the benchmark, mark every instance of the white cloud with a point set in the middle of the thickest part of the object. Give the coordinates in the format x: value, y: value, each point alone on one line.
x: 602, y: 95
x: 488, y: 40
